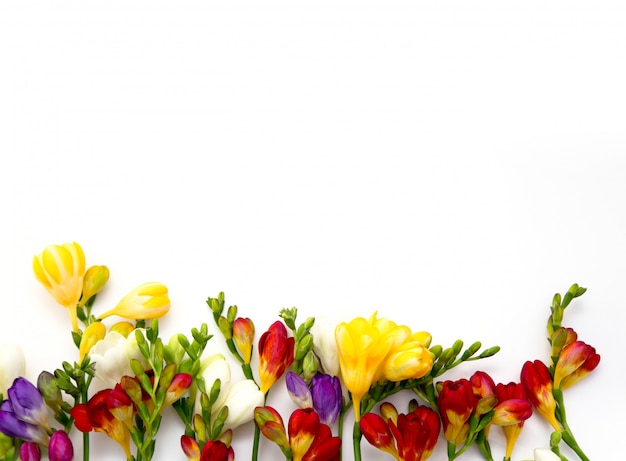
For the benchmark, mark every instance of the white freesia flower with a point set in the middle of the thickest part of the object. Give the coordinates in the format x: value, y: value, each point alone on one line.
x: 112, y: 356
x: 241, y: 399
x: 12, y: 365
x: 213, y: 368
x: 325, y: 346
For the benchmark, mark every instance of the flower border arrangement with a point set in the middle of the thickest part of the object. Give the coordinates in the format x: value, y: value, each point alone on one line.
x: 126, y: 375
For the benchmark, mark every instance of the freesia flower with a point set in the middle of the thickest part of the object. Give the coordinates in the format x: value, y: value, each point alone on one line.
x: 275, y: 354
x: 537, y: 383
x: 505, y: 393
x: 241, y: 399
x: 94, y: 280
x: 271, y: 425
x: 112, y: 356
x: 12, y: 365
x: 147, y: 301
x: 60, y: 447
x: 324, y: 345
x: 24, y: 415
x: 407, y: 437
x: 60, y: 269
x: 370, y: 350
x: 92, y: 334
x: 327, y: 397
x: 96, y: 415
x: 29, y: 451
x: 216, y: 450
x: 298, y: 390
x: 362, y: 350
x: 456, y: 403
x: 310, y: 439
x: 576, y: 361
x: 545, y: 454
x: 243, y: 337
x: 378, y: 433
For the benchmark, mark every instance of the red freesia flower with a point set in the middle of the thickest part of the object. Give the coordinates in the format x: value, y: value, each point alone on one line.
x: 96, y: 415
x: 537, y: 383
x: 504, y: 393
x: 216, y: 450
x: 275, y: 354
x: 407, y: 437
x: 456, y: 403
x: 576, y: 361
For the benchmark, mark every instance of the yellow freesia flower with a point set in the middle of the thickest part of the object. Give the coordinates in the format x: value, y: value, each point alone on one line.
x: 95, y: 279
x: 378, y: 349
x: 362, y: 350
x: 147, y: 301
x: 93, y: 333
x: 60, y: 269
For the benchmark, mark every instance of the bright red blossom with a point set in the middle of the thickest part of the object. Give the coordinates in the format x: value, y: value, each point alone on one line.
x: 537, y: 383
x: 275, y: 354
x: 456, y: 403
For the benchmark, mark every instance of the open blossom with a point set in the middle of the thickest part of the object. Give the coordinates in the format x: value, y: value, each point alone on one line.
x: 275, y: 354
x: 147, y: 301
x: 576, y: 361
x: 112, y: 356
x: 537, y: 383
x: 60, y: 269
x: 407, y: 437
x: 375, y: 349
x: 504, y: 393
x: 24, y: 414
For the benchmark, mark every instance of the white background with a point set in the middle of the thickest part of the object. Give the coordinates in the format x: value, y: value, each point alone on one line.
x: 451, y: 165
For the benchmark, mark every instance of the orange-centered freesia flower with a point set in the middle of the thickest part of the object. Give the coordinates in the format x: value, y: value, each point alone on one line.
x: 576, y: 361
x: 60, y: 269
x: 275, y: 354
x: 506, y: 393
x: 537, y: 382
x: 147, y: 301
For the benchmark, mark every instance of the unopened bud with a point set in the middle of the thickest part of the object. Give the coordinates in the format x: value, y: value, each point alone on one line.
x: 94, y: 280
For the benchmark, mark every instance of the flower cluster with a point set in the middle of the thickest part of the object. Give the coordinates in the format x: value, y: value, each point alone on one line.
x: 126, y: 376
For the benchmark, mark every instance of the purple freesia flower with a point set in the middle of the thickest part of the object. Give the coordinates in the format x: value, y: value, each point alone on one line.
x: 27, y: 402
x: 298, y: 390
x: 327, y: 398
x: 24, y: 415
x: 60, y: 447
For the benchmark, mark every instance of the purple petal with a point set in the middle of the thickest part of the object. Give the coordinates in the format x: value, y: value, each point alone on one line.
x: 27, y: 403
x: 327, y: 399
x: 298, y: 390
x: 60, y: 447
x: 13, y: 427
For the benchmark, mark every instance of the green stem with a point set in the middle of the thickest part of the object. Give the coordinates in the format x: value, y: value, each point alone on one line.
x: 567, y: 434
x: 255, y: 443
x: 356, y: 441
x: 85, y: 399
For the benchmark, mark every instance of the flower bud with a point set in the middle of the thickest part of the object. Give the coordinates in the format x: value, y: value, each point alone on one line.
x: 124, y: 328
x: 94, y: 280
x: 47, y: 387
x: 60, y: 447
x: 29, y: 451
x: 93, y: 333
x: 190, y: 448
x: 298, y: 390
x: 147, y: 301
x: 243, y: 337
x: 378, y: 433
